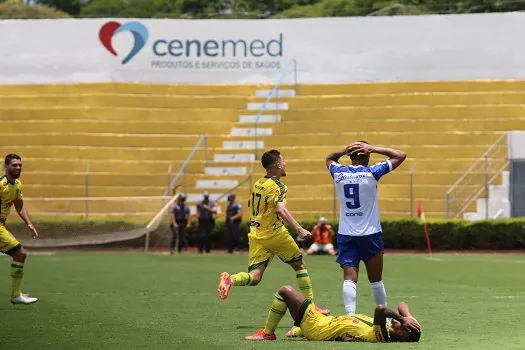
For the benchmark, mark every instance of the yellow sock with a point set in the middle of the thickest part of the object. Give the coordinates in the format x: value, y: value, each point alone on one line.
x: 241, y: 279
x: 17, y: 272
x: 305, y: 284
x: 276, y: 313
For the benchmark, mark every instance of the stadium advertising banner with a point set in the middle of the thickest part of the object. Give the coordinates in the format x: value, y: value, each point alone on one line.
x: 452, y: 47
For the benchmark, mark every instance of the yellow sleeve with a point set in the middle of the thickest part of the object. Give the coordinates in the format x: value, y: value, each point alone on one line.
x: 378, y: 335
x: 19, y: 194
x: 281, y: 193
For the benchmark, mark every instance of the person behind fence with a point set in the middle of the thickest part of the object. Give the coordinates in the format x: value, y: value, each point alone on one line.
x: 322, y: 234
x: 205, y: 215
x: 233, y: 223
x: 180, y: 216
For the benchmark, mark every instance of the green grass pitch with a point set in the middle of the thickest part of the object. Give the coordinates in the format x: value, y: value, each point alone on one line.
x: 149, y: 301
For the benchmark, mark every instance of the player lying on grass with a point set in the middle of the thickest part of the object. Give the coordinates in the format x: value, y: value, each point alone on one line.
x: 402, y: 327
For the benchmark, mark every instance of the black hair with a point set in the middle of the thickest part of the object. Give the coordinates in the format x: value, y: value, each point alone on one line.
x: 413, y: 337
x: 269, y: 158
x: 10, y: 157
x: 360, y: 158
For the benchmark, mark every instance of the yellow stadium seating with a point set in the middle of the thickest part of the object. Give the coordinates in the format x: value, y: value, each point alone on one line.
x: 125, y: 140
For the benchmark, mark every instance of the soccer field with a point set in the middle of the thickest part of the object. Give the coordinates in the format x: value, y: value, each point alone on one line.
x: 149, y: 301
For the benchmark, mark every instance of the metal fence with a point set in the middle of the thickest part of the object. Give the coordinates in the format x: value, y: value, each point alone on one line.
x: 476, y: 180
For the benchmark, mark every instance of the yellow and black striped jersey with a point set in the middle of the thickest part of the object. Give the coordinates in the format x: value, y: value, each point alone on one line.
x: 264, y: 220
x: 9, y: 192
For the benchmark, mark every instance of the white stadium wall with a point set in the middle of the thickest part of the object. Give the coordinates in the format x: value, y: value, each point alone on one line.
x: 481, y: 46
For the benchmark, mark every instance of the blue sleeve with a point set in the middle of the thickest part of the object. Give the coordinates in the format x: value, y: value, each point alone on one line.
x: 334, y: 167
x: 381, y: 169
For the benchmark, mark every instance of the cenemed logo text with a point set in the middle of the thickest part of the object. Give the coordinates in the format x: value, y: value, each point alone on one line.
x: 218, y: 48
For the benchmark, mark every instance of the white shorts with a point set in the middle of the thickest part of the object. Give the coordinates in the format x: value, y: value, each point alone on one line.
x: 321, y: 247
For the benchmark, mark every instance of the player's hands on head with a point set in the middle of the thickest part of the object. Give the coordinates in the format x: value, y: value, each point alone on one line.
x: 303, y: 233
x: 359, y: 149
x: 411, y: 324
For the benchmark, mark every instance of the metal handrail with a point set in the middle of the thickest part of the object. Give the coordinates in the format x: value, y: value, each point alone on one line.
x: 480, y: 191
x: 274, y: 92
x: 182, y: 169
x: 473, y: 166
x: 463, y: 181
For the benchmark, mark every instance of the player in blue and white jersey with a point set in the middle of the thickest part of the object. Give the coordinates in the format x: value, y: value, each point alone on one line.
x: 360, y: 236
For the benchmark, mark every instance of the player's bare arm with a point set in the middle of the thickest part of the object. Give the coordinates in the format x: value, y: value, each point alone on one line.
x: 403, y: 310
x: 395, y: 156
x: 334, y: 157
x: 24, y: 215
x: 382, y: 313
x: 286, y: 215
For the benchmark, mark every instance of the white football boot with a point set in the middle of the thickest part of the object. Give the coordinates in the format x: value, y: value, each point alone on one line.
x: 24, y: 299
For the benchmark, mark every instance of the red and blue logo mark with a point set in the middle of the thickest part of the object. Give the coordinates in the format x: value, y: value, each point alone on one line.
x: 110, y: 29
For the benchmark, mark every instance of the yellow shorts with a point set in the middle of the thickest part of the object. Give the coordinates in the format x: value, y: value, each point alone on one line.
x: 7, y: 240
x: 262, y: 251
x: 357, y: 328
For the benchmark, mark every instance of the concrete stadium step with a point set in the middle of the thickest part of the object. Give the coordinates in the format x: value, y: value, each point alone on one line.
x: 131, y: 88
x: 48, y: 190
x: 417, y: 99
x: 117, y: 205
x: 120, y: 113
x: 124, y: 100
x: 283, y: 128
x: 264, y: 118
x: 234, y: 157
x: 102, y: 204
x: 225, y: 170
x: 385, y: 138
x: 278, y: 93
x: 112, y: 140
x: 242, y: 145
x: 198, y: 166
x: 99, y: 153
x: 215, y: 184
x: 445, y: 125
x: 218, y: 155
x: 120, y: 127
x: 407, y: 87
x: 141, y: 218
x: 270, y: 106
x: 78, y: 165
x: 251, y: 131
x: 421, y: 151
x: 204, y: 181
x: 402, y: 112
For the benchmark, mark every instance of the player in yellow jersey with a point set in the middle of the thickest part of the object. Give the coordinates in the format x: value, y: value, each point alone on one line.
x: 402, y: 327
x: 11, y: 194
x: 268, y: 236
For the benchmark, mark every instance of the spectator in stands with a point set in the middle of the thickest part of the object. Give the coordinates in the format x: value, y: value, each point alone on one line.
x: 233, y: 223
x: 205, y: 215
x: 323, y: 235
x: 180, y: 218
